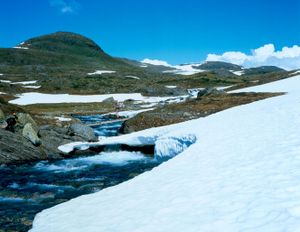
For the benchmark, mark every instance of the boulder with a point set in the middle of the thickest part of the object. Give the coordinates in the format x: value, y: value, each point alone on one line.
x: 85, y: 132
x: 52, y: 137
x: 14, y: 148
x: 3, y: 123
x: 24, y: 118
x: 109, y: 100
x: 210, y: 91
x: 30, y: 133
x: 2, y: 116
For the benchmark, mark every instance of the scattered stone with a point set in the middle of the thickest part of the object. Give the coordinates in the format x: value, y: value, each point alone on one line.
x: 11, y: 123
x: 30, y: 133
x: 53, y: 137
x: 83, y: 131
x: 14, y: 148
x: 210, y: 91
x: 2, y: 116
x: 24, y: 118
x: 3, y: 123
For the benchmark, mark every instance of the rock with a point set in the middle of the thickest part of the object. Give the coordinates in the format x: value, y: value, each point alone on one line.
x: 209, y: 91
x: 187, y: 114
x: 52, y: 137
x: 30, y: 133
x: 83, y: 131
x: 176, y: 91
x: 2, y: 116
x: 109, y: 100
x: 24, y: 118
x: 14, y: 148
x: 11, y: 123
x: 3, y: 123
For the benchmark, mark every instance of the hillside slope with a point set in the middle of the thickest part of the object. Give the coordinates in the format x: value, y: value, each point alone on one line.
x: 65, y: 62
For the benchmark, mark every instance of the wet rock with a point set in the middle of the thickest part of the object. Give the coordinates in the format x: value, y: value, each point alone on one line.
x: 82, y: 131
x: 3, y: 123
x: 30, y: 133
x: 210, y: 91
x: 14, y: 148
x: 176, y: 91
x: 11, y: 123
x: 52, y: 137
x: 24, y: 118
x: 2, y: 116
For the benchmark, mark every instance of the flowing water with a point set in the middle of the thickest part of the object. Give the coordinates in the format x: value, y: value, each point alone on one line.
x: 27, y: 189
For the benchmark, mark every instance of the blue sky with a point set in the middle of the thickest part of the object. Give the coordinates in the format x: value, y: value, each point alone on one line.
x: 177, y: 31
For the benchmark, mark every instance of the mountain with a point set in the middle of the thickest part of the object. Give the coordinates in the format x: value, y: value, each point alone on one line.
x: 68, y: 62
x: 64, y: 42
x: 218, y: 65
x: 65, y: 62
x: 149, y: 67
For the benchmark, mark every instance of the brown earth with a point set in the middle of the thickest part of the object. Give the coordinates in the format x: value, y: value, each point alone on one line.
x: 191, y: 109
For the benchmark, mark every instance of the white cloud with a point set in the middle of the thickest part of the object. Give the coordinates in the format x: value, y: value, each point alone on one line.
x: 287, y: 58
x: 65, y: 6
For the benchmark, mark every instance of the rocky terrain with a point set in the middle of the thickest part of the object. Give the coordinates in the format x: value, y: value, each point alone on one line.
x: 64, y: 62
x: 208, y: 101
x: 27, y: 141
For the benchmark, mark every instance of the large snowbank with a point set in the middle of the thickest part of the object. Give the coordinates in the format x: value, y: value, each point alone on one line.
x: 241, y: 174
x: 43, y: 98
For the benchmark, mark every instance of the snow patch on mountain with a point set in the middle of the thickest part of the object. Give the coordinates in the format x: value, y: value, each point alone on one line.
x: 133, y: 77
x: 184, y: 69
x: 100, y: 72
x: 238, y: 73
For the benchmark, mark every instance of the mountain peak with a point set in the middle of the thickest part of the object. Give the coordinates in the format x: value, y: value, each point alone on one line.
x: 64, y: 42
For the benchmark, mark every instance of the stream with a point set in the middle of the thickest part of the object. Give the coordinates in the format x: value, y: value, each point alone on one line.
x: 27, y: 189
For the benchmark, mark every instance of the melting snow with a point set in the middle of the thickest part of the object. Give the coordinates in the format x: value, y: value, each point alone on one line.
x: 295, y: 73
x: 133, y: 77
x: 5, y: 81
x: 171, y: 86
x: 185, y: 69
x: 42, y: 98
x: 32, y: 86
x: 238, y: 73
x: 224, y: 87
x: 63, y: 119
x: 24, y: 82
x: 18, y: 47
x: 241, y: 174
x: 99, y: 72
x: 130, y: 113
x: 19, y: 82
